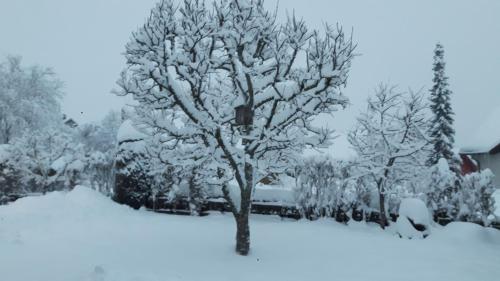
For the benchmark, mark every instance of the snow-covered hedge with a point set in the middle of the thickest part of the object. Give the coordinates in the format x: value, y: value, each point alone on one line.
x: 327, y: 187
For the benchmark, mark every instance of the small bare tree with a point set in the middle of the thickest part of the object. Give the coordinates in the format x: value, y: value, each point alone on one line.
x: 221, y: 87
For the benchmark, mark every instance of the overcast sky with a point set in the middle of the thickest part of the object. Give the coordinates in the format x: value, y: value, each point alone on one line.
x: 83, y: 41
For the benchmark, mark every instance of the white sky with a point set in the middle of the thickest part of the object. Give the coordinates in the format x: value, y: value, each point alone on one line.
x: 83, y: 42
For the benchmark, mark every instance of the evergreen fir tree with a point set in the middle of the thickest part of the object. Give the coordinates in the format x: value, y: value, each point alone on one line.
x: 441, y: 130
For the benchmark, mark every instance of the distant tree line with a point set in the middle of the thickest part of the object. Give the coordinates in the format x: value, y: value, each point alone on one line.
x: 41, y: 149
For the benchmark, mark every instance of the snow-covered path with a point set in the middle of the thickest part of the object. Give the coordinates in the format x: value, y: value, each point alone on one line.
x: 83, y: 236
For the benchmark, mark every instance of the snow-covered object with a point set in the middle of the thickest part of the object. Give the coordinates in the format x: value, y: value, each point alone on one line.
x: 4, y: 152
x: 128, y: 132
x: 277, y: 195
x: 77, y: 165
x: 325, y: 186
x: 486, y: 137
x: 440, y: 195
x: 477, y: 199
x: 496, y: 195
x: 414, y: 219
x: 59, y: 164
x: 9, y: 173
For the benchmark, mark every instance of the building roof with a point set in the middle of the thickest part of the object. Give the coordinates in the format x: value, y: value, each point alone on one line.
x: 128, y: 132
x: 486, y: 139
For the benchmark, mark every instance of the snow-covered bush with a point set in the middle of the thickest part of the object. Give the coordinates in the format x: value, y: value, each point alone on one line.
x: 99, y: 171
x: 132, y: 169
x: 10, y: 176
x: 465, y: 198
x: 48, y: 160
x: 441, y: 190
x: 316, y: 187
x: 132, y: 183
x: 325, y: 187
x: 477, y: 201
x: 414, y: 219
x: 145, y: 176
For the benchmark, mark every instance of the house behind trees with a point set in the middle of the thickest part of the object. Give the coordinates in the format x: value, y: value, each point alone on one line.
x: 484, y: 146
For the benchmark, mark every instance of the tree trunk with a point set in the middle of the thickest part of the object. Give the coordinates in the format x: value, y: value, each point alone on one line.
x: 194, y: 196
x: 382, y: 216
x: 242, y: 234
x: 242, y: 226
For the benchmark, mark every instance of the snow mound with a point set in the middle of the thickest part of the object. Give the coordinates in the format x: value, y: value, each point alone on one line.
x: 414, y: 219
x: 468, y: 233
x: 81, y: 202
x: 83, y: 196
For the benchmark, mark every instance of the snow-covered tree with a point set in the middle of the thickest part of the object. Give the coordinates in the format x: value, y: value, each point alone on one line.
x: 100, y: 145
x: 29, y: 99
x: 229, y: 89
x: 49, y: 160
x: 441, y: 131
x: 101, y: 136
x: 390, y: 141
x: 10, y: 175
x: 477, y: 202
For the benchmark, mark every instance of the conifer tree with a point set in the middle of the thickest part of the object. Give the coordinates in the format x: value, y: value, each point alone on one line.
x: 441, y: 132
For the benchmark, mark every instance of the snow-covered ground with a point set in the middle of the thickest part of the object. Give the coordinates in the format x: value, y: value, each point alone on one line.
x: 84, y: 236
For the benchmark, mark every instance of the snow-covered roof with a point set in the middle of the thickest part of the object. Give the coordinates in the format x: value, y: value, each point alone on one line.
x: 487, y: 136
x: 128, y: 132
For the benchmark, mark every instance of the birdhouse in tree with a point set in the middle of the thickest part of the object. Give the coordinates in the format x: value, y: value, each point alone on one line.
x: 244, y: 115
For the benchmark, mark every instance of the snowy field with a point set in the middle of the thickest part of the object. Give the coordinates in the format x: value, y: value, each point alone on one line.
x: 84, y: 236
